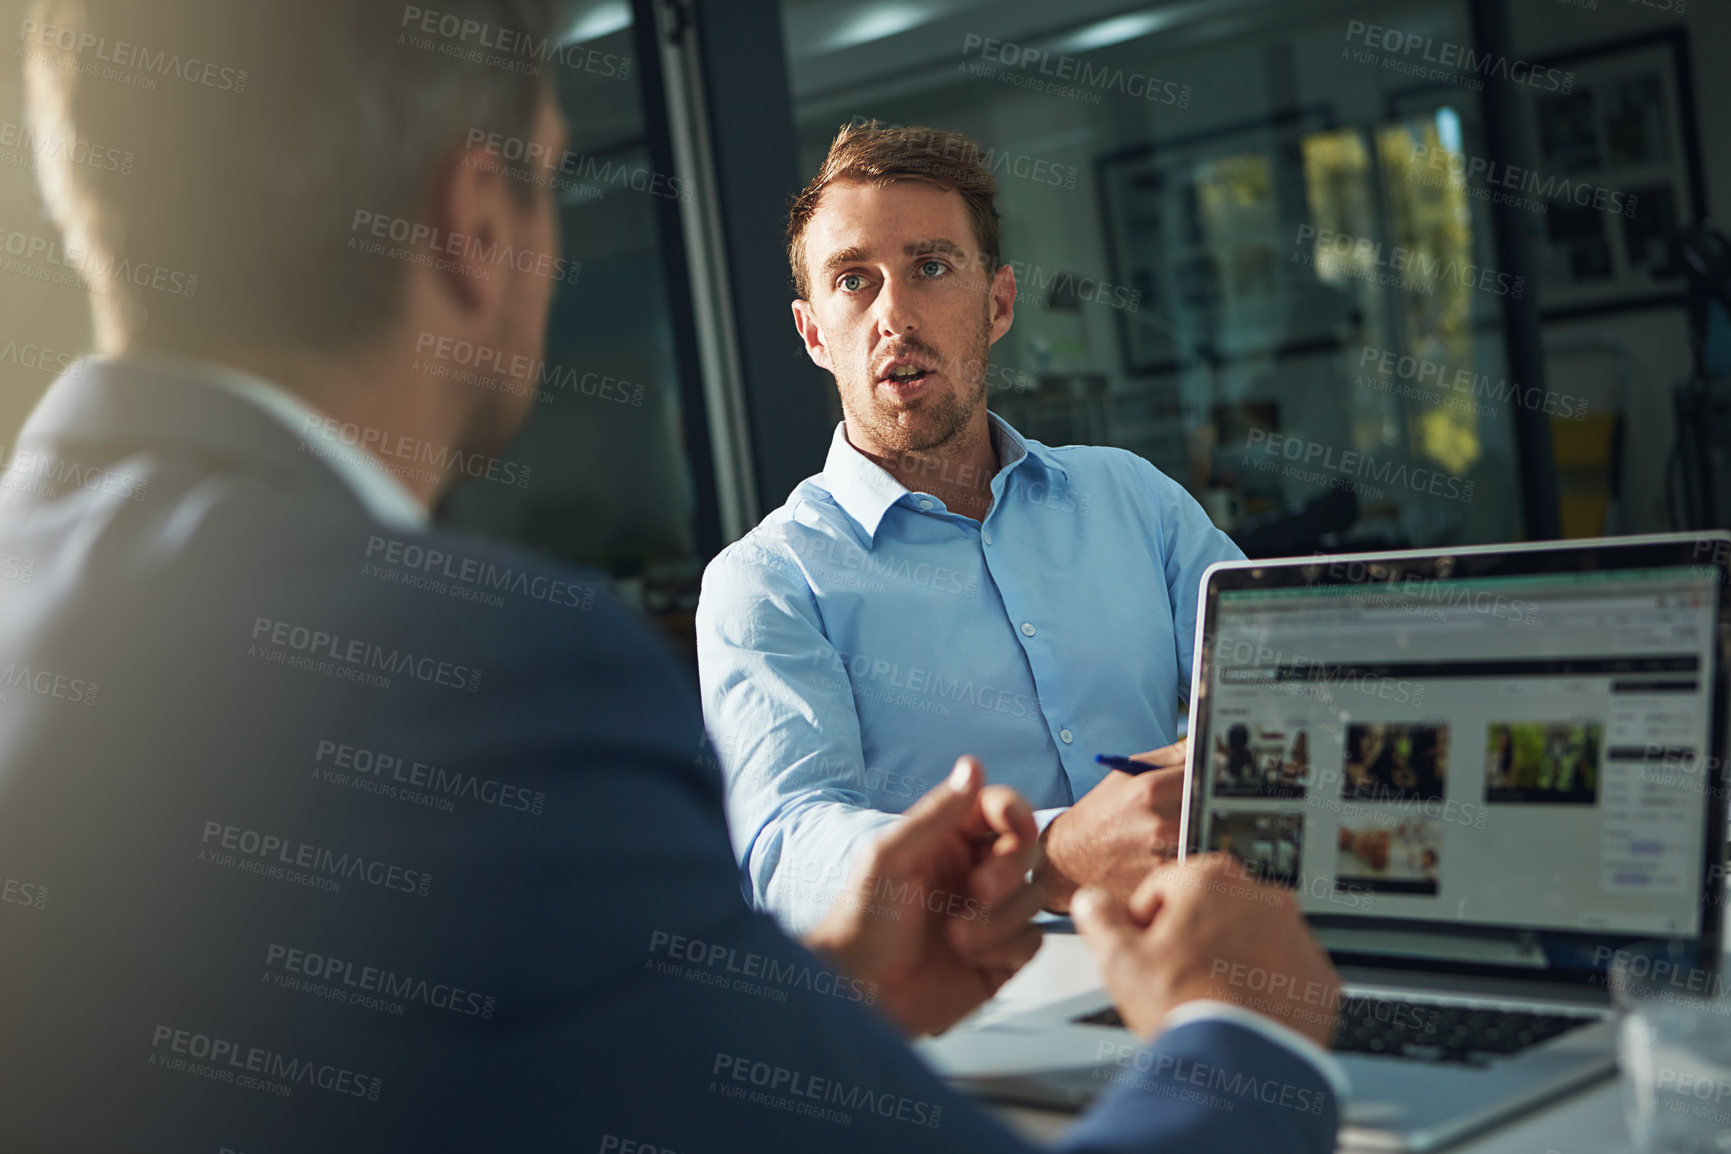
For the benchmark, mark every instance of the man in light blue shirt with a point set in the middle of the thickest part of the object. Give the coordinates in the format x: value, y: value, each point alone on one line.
x: 944, y: 586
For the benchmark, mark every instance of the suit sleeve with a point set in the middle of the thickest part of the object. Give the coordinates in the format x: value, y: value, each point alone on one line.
x: 779, y: 707
x: 1209, y: 1086
x: 754, y: 1044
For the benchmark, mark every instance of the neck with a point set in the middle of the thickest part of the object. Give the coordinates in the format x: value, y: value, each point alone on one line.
x: 377, y: 392
x: 958, y: 472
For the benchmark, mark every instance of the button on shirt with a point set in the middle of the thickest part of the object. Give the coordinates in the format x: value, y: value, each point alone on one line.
x: 863, y: 637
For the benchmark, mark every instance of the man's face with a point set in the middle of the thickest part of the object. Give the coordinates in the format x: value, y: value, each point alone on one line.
x: 902, y: 311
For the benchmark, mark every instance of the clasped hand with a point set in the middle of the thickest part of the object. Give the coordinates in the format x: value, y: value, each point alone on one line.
x: 937, y: 914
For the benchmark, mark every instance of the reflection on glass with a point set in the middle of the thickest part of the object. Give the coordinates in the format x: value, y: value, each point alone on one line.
x: 1260, y: 271
x: 611, y: 485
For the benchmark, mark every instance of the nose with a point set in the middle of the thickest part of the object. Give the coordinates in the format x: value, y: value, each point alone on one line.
x: 895, y: 312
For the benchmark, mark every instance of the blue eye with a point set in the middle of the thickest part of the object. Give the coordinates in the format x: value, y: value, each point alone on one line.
x: 858, y: 280
x: 933, y: 268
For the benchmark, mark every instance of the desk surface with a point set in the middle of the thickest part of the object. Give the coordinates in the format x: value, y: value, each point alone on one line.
x: 1588, y: 1122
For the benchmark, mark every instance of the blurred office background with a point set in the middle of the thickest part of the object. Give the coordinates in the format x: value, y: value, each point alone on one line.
x: 1190, y: 156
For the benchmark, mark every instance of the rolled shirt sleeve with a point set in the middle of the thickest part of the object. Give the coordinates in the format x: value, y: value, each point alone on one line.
x: 781, y: 710
x: 864, y: 636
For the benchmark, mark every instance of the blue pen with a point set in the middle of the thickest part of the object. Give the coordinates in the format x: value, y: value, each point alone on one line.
x: 1124, y: 763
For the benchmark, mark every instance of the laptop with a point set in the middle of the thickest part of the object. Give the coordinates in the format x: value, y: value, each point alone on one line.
x: 1483, y: 772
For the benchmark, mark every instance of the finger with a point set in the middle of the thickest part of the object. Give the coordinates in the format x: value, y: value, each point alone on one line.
x: 1011, y: 854
x: 1175, y: 754
x: 1105, y: 924
x: 938, y: 814
x: 1010, y: 951
x: 992, y: 922
x: 1145, y: 903
x: 1222, y: 877
x: 1216, y: 862
x: 1006, y: 812
x: 999, y: 876
x: 1166, y: 786
x: 1175, y: 883
x: 1013, y: 950
x: 1165, y: 795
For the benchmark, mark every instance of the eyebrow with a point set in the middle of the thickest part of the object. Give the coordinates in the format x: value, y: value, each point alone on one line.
x: 836, y: 259
x: 920, y: 247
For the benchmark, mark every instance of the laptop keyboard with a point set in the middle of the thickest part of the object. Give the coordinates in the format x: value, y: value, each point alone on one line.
x: 1472, y: 1035
x: 1426, y: 1032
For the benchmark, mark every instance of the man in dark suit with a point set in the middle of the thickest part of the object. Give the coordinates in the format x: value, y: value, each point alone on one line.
x: 322, y: 829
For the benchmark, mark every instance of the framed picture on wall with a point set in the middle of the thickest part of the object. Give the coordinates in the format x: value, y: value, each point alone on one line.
x: 1617, y: 160
x: 1199, y: 228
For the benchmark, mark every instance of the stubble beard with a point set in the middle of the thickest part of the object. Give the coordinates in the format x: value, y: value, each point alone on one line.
x: 939, y: 420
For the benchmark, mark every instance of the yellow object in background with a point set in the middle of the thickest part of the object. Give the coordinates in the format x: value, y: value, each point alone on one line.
x: 1585, y: 454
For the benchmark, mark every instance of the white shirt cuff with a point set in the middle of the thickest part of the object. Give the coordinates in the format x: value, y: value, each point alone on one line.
x: 1202, y: 1010
x: 1045, y: 817
x: 1042, y: 819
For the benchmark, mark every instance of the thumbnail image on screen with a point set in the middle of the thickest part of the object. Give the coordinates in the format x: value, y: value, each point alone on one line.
x: 1399, y: 858
x: 1261, y: 762
x: 1268, y: 844
x: 1543, y: 761
x: 1395, y: 762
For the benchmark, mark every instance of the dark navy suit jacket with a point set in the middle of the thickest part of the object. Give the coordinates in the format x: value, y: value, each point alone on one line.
x: 317, y: 836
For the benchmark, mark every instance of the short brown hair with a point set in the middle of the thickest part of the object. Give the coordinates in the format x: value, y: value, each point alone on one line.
x: 248, y: 177
x: 882, y: 154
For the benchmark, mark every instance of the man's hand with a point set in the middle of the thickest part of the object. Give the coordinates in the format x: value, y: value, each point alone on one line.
x: 1121, y: 829
x: 937, y: 913
x: 1204, y: 930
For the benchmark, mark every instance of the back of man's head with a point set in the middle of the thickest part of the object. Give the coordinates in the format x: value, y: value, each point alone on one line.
x: 256, y: 133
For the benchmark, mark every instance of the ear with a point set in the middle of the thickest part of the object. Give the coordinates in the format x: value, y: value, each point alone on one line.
x: 473, y: 213
x: 1003, y: 301
x: 805, y: 320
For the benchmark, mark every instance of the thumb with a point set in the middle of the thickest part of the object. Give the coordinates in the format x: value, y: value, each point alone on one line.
x: 938, y: 814
x: 1178, y: 753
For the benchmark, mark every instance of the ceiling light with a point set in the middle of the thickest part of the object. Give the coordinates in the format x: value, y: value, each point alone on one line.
x: 598, y: 20
x: 875, y: 23
x: 1115, y: 31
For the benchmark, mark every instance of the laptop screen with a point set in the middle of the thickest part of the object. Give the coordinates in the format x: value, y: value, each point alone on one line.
x: 1484, y: 766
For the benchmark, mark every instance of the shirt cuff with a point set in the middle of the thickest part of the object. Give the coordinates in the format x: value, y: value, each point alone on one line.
x: 1044, y: 817
x: 1206, y: 1010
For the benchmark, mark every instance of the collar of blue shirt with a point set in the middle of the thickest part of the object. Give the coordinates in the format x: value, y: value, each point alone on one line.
x: 865, y: 490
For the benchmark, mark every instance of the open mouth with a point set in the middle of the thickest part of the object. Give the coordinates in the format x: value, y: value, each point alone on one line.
x: 905, y: 374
